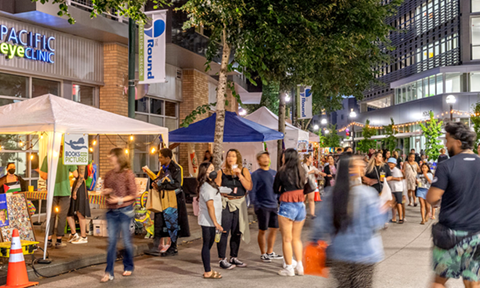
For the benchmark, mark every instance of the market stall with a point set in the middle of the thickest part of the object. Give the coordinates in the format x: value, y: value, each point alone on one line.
x: 53, y: 116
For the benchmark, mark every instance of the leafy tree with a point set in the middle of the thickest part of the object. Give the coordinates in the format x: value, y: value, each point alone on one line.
x: 367, y: 142
x: 127, y: 8
x: 390, y: 142
x: 475, y: 118
x: 331, y: 139
x: 432, y: 130
x: 270, y: 98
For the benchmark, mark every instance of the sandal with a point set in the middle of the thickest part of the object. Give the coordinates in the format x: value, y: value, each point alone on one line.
x: 393, y: 221
x: 127, y: 273
x: 214, y: 275
x: 423, y: 222
x: 106, y: 278
x: 400, y: 221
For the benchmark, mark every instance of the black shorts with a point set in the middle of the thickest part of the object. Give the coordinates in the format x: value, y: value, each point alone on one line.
x: 267, y: 218
x: 398, y: 197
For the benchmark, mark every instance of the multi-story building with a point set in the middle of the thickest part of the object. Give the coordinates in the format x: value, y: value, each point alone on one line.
x: 88, y: 62
x: 437, y: 54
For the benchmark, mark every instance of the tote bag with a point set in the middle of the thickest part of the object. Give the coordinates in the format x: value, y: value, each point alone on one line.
x: 386, y: 194
x: 153, y: 201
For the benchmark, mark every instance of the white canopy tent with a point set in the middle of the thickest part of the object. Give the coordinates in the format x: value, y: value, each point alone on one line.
x: 267, y: 118
x: 56, y: 116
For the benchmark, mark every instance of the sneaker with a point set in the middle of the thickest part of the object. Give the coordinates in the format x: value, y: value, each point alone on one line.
x: 49, y: 244
x: 288, y: 271
x: 294, y: 263
x: 171, y: 251
x: 225, y: 265
x: 60, y: 244
x: 299, y: 269
x: 265, y: 258
x: 237, y: 263
x: 80, y: 240
x: 73, y: 237
x: 274, y: 256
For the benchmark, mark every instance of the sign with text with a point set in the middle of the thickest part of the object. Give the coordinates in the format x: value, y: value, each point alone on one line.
x: 26, y: 44
x: 75, y: 149
x: 3, y: 211
x: 152, y: 48
x: 304, y: 102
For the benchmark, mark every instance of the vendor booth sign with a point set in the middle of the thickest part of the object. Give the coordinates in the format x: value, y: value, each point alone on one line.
x: 75, y: 149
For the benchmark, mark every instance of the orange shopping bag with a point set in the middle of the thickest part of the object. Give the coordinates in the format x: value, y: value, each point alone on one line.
x: 314, y: 259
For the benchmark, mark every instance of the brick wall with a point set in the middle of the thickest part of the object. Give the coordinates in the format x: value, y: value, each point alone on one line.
x: 112, y: 97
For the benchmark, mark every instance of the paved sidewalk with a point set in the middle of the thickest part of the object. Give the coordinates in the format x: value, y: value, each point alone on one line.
x: 406, y: 264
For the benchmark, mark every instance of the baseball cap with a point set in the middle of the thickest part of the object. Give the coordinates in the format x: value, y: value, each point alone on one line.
x: 392, y: 160
x: 259, y: 154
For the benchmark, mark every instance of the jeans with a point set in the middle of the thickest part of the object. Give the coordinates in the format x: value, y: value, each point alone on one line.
x: 118, y: 220
x: 208, y: 235
x: 230, y: 223
x: 63, y: 202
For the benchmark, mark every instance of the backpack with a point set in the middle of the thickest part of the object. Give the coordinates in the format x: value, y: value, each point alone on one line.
x: 91, y: 180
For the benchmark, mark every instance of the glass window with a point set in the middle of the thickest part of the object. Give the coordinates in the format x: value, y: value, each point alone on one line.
x: 475, y: 82
x: 431, y: 81
x: 170, y: 109
x: 139, y: 161
x: 7, y: 101
x: 20, y: 160
x: 171, y: 124
x: 452, y: 82
x: 156, y: 120
x: 419, y: 89
x: 425, y: 88
x: 475, y: 5
x: 156, y: 106
x: 141, y: 105
x: 13, y: 85
x: 404, y: 94
x: 439, y: 84
x: 83, y: 94
x: 141, y: 117
x: 413, y: 88
x: 41, y: 87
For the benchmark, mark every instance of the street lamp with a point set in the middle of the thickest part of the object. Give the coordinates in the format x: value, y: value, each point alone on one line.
x: 242, y: 112
x: 451, y: 100
x: 324, y: 121
x: 352, y: 116
x: 287, y: 98
x: 327, y: 131
x: 315, y: 127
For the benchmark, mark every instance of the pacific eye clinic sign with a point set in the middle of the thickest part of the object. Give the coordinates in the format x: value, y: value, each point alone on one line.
x: 25, y: 44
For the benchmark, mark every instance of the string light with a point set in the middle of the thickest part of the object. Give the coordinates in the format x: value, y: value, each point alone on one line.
x: 91, y: 149
x: 131, y: 138
x: 31, y: 156
x: 41, y: 136
x: 126, y: 151
x: 20, y: 143
x: 94, y: 142
x: 153, y: 150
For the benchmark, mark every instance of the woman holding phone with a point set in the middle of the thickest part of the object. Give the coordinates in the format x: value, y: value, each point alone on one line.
x: 234, y: 213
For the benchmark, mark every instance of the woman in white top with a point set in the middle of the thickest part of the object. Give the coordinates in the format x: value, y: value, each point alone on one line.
x: 310, y: 172
x: 210, y: 213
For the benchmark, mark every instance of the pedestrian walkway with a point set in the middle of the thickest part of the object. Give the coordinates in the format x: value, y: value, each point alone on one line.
x: 406, y: 265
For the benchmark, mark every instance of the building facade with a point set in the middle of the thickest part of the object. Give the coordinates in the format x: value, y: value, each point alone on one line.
x: 88, y: 62
x: 437, y: 54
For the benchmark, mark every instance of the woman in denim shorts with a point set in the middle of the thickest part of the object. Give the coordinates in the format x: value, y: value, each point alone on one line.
x: 289, y: 183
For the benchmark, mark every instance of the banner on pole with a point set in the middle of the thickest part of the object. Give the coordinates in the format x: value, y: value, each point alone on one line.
x: 152, y: 48
x: 304, y: 102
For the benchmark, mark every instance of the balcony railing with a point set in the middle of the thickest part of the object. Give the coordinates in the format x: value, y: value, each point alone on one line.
x: 87, y: 5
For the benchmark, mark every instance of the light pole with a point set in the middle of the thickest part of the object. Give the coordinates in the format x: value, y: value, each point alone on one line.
x: 451, y: 100
x: 352, y: 116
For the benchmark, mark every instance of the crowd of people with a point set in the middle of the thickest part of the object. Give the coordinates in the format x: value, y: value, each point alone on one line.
x: 349, y: 218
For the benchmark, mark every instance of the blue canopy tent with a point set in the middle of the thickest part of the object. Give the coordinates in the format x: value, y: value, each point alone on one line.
x: 237, y: 129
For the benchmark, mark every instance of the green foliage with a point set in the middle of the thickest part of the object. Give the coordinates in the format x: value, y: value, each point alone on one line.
x: 127, y: 8
x: 432, y: 130
x: 270, y: 99
x: 390, y: 142
x: 367, y: 142
x: 475, y: 118
x: 331, y: 139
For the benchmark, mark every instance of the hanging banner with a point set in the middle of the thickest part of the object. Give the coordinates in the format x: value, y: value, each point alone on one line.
x: 192, y: 161
x: 75, y: 149
x: 304, y: 102
x: 151, y: 48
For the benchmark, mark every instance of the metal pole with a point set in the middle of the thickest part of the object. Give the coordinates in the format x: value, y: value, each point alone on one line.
x: 131, y: 68
x: 451, y: 114
x: 353, y: 139
x: 294, y: 107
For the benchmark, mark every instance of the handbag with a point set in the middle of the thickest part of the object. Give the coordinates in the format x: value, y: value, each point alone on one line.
x: 153, y: 201
x: 445, y: 238
x: 314, y: 259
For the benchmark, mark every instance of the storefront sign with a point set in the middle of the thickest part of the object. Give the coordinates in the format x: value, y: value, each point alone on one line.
x: 75, y: 149
x: 25, y: 44
x: 305, y: 102
x: 152, y: 48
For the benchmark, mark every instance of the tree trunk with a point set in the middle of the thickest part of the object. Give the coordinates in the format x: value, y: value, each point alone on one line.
x: 281, y: 127
x: 221, y: 91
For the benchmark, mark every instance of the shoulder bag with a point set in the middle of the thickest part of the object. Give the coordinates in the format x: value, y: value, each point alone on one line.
x: 445, y: 238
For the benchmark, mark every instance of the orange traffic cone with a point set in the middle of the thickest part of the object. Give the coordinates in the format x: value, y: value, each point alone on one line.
x: 317, y: 197
x: 17, y: 270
